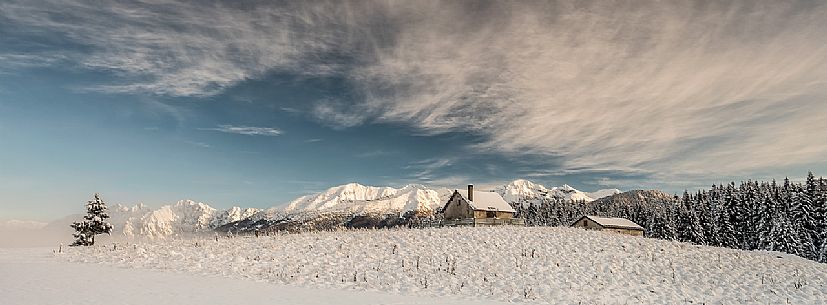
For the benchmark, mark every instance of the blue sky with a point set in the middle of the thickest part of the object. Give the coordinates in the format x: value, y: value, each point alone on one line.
x: 257, y: 103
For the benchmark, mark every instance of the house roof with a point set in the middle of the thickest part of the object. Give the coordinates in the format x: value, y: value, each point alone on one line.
x: 611, y: 222
x: 487, y: 201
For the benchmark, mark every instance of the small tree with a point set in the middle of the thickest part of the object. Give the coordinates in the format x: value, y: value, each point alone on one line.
x: 94, y: 223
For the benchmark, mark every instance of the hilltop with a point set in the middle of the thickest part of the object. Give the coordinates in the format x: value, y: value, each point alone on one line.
x: 515, y: 264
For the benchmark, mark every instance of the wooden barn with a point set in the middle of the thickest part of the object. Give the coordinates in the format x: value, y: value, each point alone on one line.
x: 469, y: 207
x: 617, y: 225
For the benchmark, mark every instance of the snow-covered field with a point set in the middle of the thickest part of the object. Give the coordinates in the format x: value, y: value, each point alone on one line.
x: 534, y: 265
x: 33, y: 276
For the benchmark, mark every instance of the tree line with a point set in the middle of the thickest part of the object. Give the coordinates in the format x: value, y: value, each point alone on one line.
x: 753, y: 215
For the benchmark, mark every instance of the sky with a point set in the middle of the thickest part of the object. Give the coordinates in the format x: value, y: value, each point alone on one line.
x: 254, y: 103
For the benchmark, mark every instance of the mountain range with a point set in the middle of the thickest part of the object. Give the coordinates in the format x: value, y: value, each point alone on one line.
x: 187, y: 216
x: 524, y: 191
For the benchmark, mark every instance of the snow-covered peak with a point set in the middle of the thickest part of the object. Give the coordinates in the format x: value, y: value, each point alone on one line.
x: 567, y: 188
x: 190, y: 205
x: 354, y: 197
x: 231, y: 215
x: 181, y: 217
x: 357, y: 198
x: 122, y: 209
x: 603, y: 193
x: 185, y: 216
x: 567, y: 192
x: 522, y: 190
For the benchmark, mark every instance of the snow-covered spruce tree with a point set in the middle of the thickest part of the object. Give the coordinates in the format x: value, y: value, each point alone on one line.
x: 695, y: 231
x: 821, y: 219
x: 805, y: 211
x: 767, y: 212
x: 784, y: 235
x: 93, y: 223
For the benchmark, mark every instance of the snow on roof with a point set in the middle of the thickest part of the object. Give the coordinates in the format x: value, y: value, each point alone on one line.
x: 487, y: 201
x: 613, y: 222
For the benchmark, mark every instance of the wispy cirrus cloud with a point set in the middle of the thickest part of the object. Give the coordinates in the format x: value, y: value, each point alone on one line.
x: 247, y: 130
x: 199, y: 144
x: 179, y: 48
x: 669, y: 88
x: 375, y: 153
x: 640, y: 86
x: 426, y: 170
x: 13, y: 61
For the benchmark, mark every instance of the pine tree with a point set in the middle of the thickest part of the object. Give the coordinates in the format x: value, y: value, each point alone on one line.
x: 727, y: 234
x: 669, y: 224
x: 821, y: 220
x: 532, y: 215
x: 94, y: 223
x: 789, y: 217
x: 766, y: 213
x: 784, y: 236
x: 696, y: 231
x: 713, y: 226
x: 800, y: 215
x: 682, y: 218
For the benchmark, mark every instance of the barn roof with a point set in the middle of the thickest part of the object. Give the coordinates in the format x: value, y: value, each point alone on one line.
x: 487, y: 201
x: 612, y: 222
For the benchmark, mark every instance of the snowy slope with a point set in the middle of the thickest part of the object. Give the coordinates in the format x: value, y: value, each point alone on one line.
x: 603, y: 193
x: 357, y: 198
x: 522, y: 190
x: 537, y: 265
x: 35, y: 277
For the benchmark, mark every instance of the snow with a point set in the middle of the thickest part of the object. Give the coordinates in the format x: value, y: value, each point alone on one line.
x: 357, y: 198
x: 603, y: 193
x: 522, y: 190
x: 487, y: 201
x: 537, y: 265
x: 188, y: 216
x: 34, y: 277
x: 183, y: 217
x: 614, y: 222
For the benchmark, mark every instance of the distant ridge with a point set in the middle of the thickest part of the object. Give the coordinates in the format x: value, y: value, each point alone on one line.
x: 525, y: 191
x: 345, y: 201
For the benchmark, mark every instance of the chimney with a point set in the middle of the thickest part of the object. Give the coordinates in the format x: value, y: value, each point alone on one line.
x: 470, y: 192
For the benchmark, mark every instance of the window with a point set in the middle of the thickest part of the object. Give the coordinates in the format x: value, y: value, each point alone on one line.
x: 490, y: 214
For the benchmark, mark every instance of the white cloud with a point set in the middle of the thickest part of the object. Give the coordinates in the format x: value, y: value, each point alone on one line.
x: 179, y: 48
x: 672, y: 88
x: 424, y: 170
x: 13, y: 61
x: 375, y: 153
x: 337, y: 114
x: 247, y: 130
x: 668, y: 87
x: 199, y: 144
